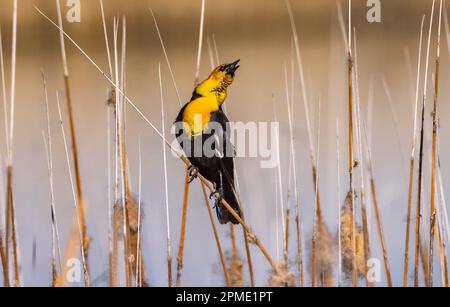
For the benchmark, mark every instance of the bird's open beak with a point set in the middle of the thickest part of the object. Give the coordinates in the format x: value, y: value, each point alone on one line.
x: 231, y: 68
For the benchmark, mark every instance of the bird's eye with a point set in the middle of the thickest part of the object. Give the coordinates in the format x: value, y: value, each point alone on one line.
x: 222, y: 68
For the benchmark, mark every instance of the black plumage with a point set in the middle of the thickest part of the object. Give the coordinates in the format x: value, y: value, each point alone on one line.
x: 218, y: 169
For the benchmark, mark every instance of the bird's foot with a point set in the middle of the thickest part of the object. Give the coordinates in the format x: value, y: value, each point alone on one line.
x: 193, y: 173
x: 219, y: 198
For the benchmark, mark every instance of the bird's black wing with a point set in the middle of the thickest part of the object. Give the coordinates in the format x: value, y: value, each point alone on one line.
x: 227, y: 161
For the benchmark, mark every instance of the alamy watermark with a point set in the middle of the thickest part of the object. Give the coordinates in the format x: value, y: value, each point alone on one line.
x: 73, y: 14
x: 233, y: 139
x: 374, y: 12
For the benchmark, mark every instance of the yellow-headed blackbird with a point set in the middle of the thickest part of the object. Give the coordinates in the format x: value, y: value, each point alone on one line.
x: 203, y: 133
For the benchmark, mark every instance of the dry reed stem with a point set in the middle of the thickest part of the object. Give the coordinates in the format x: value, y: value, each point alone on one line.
x: 316, y: 222
x: 444, y: 217
x: 442, y: 253
x: 111, y: 232
x: 55, y: 278
x: 105, y: 33
x: 433, y: 225
x: 182, y: 157
x: 380, y: 230
x: 313, y: 159
x: 166, y: 57
x: 5, y: 268
x: 361, y: 165
x: 135, y: 248
x: 279, y: 181
x: 75, y: 200
x: 183, y: 229
x: 419, y: 180
x: 169, y: 248
x: 200, y: 44
x: 233, y: 241
x: 424, y: 261
x: 110, y: 203
x: 80, y: 201
x: 351, y: 162
x: 216, y: 236
x: 235, y: 264
x: 338, y: 163
x: 127, y: 199
x: 347, y: 38
x: 10, y: 212
x: 115, y: 246
x: 412, y: 162
x: 293, y: 169
x: 4, y: 105
x: 395, y: 119
x: 56, y: 245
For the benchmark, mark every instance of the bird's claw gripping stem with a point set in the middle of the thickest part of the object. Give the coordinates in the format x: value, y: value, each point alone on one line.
x: 193, y: 173
x: 219, y: 197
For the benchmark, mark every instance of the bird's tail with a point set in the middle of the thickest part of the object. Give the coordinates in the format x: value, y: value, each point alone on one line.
x: 223, y: 214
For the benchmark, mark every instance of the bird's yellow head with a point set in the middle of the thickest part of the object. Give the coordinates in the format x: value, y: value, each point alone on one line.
x: 219, y: 81
x: 225, y: 73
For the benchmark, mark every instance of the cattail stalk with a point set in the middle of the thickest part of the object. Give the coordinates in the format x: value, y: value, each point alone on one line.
x: 5, y: 260
x: 10, y: 211
x: 419, y: 180
x: 183, y: 229
x: 4, y: 264
x: 139, y: 265
x: 112, y: 279
x: 294, y: 175
x: 313, y: 159
x: 361, y: 166
x: 351, y: 162
x: 395, y: 119
x: 305, y: 104
x: 105, y: 33
x: 433, y: 226
x: 111, y: 205
x: 438, y: 233
x: 315, y: 216
x: 116, y: 222
x: 247, y: 235
x: 216, y: 236
x: 412, y: 161
x: 73, y: 136
x: 444, y: 218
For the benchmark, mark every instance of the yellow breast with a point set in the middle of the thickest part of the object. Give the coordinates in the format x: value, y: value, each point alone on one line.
x: 197, y: 114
